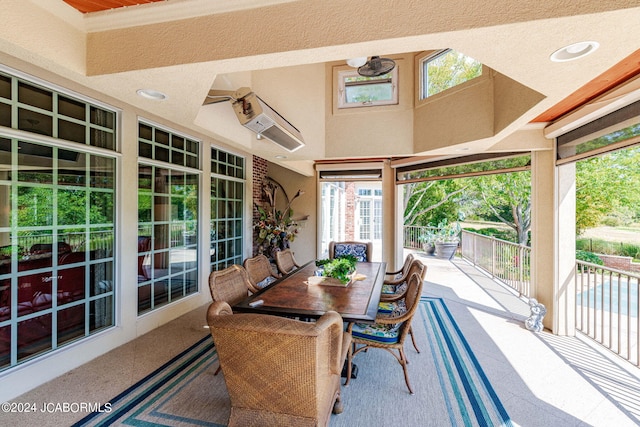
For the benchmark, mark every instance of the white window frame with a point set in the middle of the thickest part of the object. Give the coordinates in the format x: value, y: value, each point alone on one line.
x: 432, y: 56
x: 342, y: 101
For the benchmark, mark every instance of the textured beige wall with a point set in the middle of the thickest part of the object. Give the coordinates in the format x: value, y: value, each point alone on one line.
x: 450, y: 118
x: 370, y: 131
x: 512, y: 100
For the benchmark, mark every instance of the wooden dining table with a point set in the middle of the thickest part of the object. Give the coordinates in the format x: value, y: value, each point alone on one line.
x: 293, y: 295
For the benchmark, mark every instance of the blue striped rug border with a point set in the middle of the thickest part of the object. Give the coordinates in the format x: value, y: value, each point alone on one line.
x: 478, y: 406
x: 134, y: 402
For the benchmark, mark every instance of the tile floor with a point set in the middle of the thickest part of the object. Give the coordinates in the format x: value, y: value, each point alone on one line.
x: 541, y: 379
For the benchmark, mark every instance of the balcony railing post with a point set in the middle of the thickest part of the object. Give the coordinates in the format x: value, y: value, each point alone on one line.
x: 493, y: 256
x: 520, y: 269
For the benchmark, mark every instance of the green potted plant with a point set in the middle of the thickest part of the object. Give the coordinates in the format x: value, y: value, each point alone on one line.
x: 447, y: 240
x: 428, y: 240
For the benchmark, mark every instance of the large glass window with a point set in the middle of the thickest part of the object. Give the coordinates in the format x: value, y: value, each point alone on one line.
x: 56, y: 247
x: 167, y: 219
x: 352, y: 210
x: 227, y: 207
x: 56, y: 220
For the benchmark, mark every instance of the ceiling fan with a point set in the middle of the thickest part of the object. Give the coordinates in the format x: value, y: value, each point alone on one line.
x: 376, y: 66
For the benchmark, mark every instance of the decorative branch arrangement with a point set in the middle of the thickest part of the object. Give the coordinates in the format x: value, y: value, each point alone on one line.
x: 275, y: 228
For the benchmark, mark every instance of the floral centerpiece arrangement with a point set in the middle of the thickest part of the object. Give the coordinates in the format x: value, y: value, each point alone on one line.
x: 275, y: 229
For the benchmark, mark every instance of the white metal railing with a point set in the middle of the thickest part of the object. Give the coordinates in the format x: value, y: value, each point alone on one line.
x: 607, y: 302
x: 412, y: 233
x: 509, y: 262
x: 77, y: 240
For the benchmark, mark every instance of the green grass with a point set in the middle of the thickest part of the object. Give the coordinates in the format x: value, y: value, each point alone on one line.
x: 601, y: 246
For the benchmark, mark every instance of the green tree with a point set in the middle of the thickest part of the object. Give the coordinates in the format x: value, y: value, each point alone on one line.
x: 449, y: 69
x: 606, y: 184
x: 429, y: 202
x: 507, y: 198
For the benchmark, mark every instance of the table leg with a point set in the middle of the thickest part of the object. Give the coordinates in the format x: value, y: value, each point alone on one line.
x: 354, y: 371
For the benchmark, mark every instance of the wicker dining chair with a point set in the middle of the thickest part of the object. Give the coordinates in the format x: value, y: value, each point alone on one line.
x: 393, y: 289
x: 279, y: 371
x: 396, y: 275
x: 230, y: 285
x: 285, y: 261
x: 393, y: 295
x: 389, y: 332
x: 260, y: 272
x: 363, y: 251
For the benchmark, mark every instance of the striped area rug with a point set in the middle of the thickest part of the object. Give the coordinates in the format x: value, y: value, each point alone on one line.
x: 471, y: 399
x: 184, y: 391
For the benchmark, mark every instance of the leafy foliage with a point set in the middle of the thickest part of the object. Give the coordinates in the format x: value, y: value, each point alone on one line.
x: 276, y: 227
x: 448, y: 232
x: 448, y: 70
x: 605, y: 185
x: 608, y: 247
x: 506, y: 198
x: 339, y: 268
x: 432, y: 201
x: 589, y: 257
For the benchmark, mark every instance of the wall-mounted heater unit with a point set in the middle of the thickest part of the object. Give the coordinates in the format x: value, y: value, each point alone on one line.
x: 256, y: 115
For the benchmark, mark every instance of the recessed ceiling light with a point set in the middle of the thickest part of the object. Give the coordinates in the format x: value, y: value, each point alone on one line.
x: 574, y: 51
x: 280, y: 156
x: 151, y: 94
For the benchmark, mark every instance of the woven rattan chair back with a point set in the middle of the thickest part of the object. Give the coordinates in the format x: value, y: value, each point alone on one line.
x: 259, y: 270
x: 230, y: 285
x: 399, y: 285
x: 417, y: 267
x: 279, y: 371
x: 403, y: 272
x: 285, y: 261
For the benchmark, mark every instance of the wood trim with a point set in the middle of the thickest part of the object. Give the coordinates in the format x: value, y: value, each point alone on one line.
x: 624, y: 70
x: 88, y: 6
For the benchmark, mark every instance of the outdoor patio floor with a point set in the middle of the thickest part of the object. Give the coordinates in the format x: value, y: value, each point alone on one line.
x: 541, y: 379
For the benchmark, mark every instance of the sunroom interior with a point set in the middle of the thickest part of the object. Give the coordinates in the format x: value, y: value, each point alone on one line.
x: 76, y: 130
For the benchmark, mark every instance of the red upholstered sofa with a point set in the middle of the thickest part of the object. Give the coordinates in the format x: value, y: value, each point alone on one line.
x: 35, y: 295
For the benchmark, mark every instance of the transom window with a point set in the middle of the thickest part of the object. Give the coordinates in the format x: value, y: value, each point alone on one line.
x: 358, y: 91
x: 167, y: 146
x: 446, y: 69
x: 35, y: 108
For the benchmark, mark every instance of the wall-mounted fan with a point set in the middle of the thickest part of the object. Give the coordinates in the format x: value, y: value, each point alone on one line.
x: 376, y: 66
